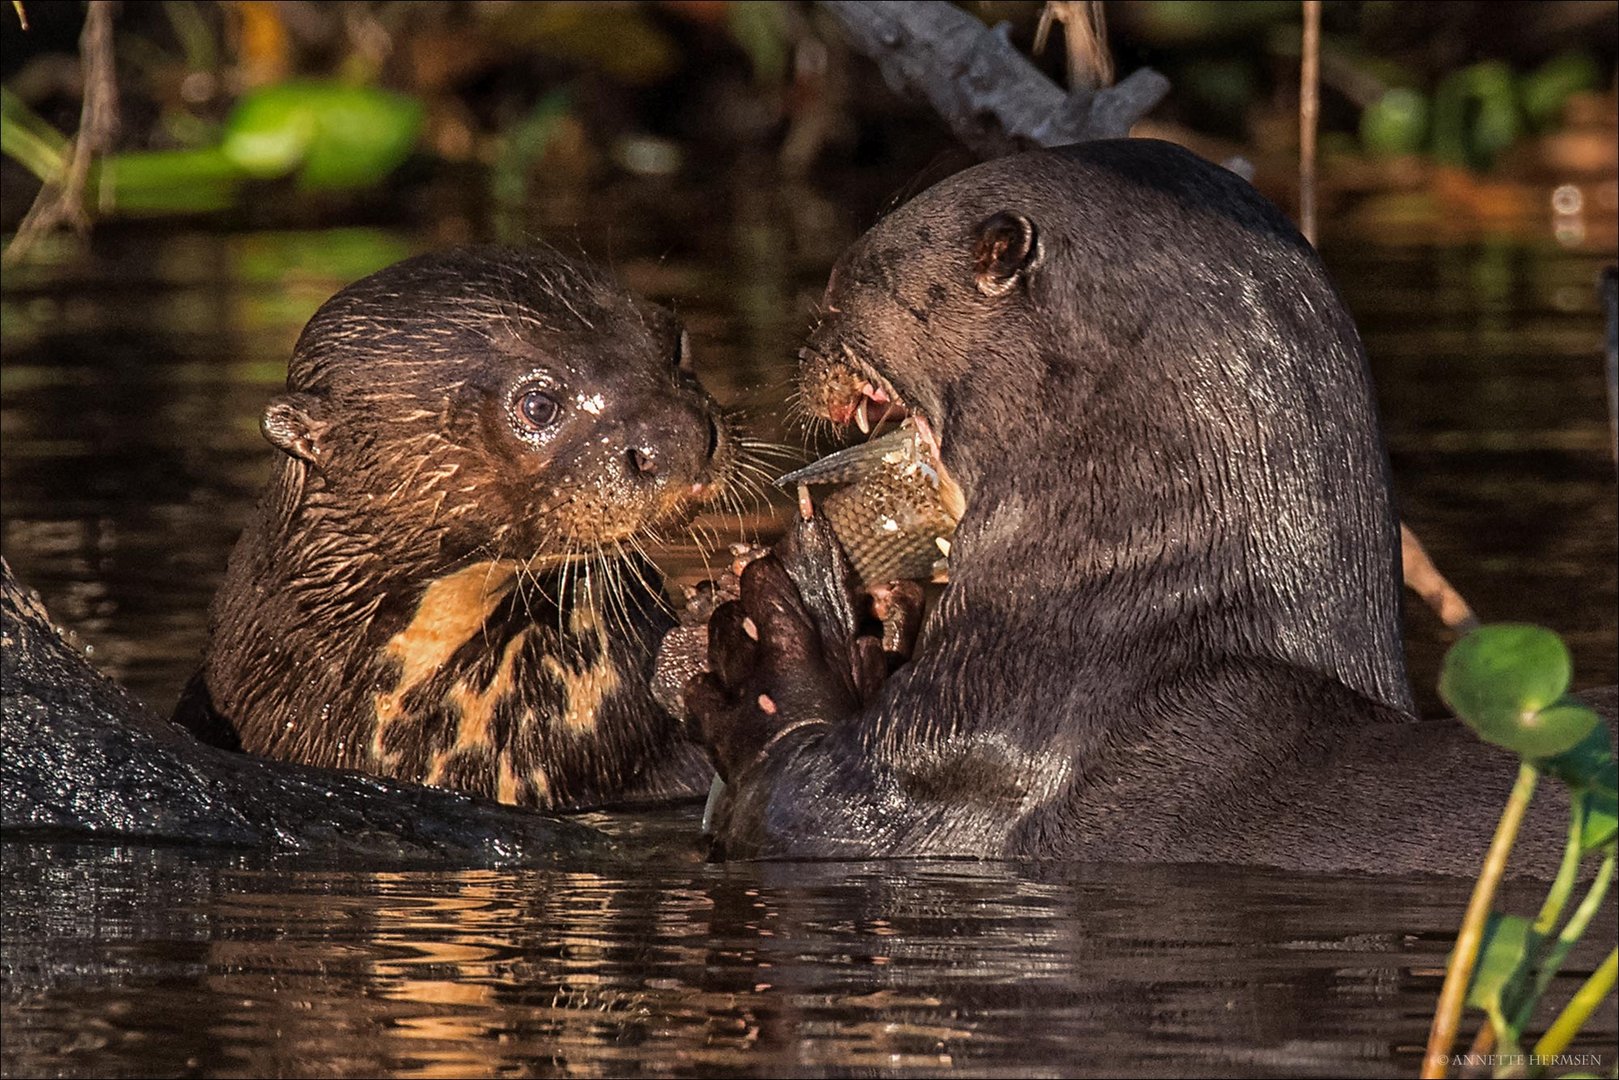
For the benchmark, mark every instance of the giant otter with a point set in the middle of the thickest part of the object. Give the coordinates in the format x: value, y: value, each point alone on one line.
x: 446, y: 579
x: 1170, y: 631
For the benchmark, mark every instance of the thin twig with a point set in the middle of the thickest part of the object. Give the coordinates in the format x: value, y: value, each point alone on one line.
x: 61, y: 200
x: 1309, y: 115
x: 1423, y: 578
x: 1464, y: 956
x: 1084, y: 23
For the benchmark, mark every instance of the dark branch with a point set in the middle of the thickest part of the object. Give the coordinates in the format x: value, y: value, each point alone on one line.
x: 993, y: 98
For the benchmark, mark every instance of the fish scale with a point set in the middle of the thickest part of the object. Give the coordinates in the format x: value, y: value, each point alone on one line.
x: 886, y: 513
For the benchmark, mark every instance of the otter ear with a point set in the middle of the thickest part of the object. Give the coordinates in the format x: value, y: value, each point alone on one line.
x: 292, y: 422
x: 1007, y: 249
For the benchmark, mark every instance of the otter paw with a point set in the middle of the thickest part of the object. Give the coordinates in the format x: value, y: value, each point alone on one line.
x: 699, y: 601
x: 683, y: 653
x: 773, y: 667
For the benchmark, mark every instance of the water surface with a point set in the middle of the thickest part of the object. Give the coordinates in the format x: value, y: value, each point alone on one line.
x: 141, y: 962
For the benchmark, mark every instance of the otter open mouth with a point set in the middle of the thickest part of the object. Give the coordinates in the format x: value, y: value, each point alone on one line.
x: 896, y: 507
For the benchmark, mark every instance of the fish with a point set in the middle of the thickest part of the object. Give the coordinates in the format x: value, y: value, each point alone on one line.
x: 888, y: 512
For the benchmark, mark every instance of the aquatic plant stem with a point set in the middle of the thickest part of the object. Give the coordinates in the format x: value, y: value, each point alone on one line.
x: 1551, y: 950
x: 1464, y: 957
x: 1563, y: 884
x: 1571, y: 933
x: 62, y: 199
x: 1579, y: 1009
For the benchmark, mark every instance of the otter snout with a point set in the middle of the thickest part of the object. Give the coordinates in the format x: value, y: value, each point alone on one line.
x: 672, y: 446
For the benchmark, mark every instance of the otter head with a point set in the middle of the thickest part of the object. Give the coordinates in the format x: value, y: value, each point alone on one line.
x: 931, y: 315
x: 1136, y: 371
x: 499, y: 403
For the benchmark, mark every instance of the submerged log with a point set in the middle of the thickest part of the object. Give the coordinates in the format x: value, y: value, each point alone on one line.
x: 81, y: 758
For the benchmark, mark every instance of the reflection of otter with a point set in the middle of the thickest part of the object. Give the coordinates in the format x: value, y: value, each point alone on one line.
x: 445, y: 580
x: 1171, y: 628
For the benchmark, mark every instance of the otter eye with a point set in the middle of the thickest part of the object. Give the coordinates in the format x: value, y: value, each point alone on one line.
x: 539, y: 409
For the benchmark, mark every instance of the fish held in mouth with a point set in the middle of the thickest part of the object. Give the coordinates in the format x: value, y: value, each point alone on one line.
x: 891, y: 510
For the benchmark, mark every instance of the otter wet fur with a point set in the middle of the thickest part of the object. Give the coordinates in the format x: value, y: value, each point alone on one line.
x: 446, y: 579
x: 1171, y: 629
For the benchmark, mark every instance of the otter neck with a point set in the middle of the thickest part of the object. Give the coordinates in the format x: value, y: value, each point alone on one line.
x: 1295, y: 563
x: 317, y: 619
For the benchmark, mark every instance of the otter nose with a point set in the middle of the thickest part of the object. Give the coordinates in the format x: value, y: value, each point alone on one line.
x: 644, y: 461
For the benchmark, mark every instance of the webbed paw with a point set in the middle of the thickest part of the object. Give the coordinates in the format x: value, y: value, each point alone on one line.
x: 683, y: 653
x: 788, y: 653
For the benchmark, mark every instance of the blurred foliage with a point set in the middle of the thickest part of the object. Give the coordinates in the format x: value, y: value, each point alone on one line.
x: 333, y: 136
x: 220, y: 98
x: 325, y: 135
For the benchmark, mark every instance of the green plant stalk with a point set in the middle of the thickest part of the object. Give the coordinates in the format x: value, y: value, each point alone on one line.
x: 29, y: 140
x: 1557, y: 897
x: 32, y: 153
x: 1521, y: 999
x: 1579, y: 1009
x: 1571, y: 933
x: 1464, y: 957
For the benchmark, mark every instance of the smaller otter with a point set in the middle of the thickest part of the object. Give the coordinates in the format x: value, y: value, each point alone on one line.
x: 446, y: 580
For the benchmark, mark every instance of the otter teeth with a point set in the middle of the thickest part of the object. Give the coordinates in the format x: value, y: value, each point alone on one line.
x: 873, y: 395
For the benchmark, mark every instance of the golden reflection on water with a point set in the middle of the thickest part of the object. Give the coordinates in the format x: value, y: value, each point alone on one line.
x: 143, y: 962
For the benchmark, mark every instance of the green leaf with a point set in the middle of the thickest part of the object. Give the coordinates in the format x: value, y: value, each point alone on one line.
x: 1589, y: 769
x: 1506, y: 682
x: 335, y: 136
x: 1475, y: 115
x: 1589, y: 763
x: 167, y: 181
x: 1396, y: 123
x: 268, y: 133
x: 1548, y: 89
x: 761, y: 30
x: 1601, y: 824
x: 29, y: 140
x: 1503, y: 957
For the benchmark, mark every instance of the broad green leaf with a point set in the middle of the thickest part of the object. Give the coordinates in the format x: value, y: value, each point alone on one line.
x: 268, y: 133
x: 1588, y: 764
x: 1548, y: 88
x: 1601, y: 822
x: 1503, y: 679
x: 362, y: 136
x: 168, y: 181
x: 1475, y: 114
x: 1588, y: 768
x: 335, y: 136
x: 1503, y: 956
x: 1555, y: 729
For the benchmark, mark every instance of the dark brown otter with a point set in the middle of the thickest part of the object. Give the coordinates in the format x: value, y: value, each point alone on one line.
x: 446, y: 580
x: 1171, y: 629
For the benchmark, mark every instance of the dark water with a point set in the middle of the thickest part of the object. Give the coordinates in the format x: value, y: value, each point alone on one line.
x: 133, y: 376
x: 135, y: 962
